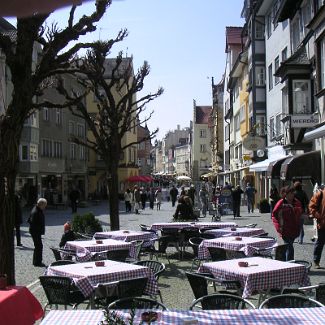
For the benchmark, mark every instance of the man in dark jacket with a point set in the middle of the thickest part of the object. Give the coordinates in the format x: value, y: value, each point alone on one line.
x: 74, y: 198
x: 173, y: 194
x: 36, y: 222
x: 236, y: 198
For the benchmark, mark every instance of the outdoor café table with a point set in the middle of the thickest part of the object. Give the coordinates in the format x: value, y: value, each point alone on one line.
x: 261, y: 274
x: 290, y: 316
x: 127, y: 235
x: 85, y: 248
x: 248, y: 245
x: 87, y: 275
x: 19, y: 306
x: 242, y: 231
x: 200, y: 225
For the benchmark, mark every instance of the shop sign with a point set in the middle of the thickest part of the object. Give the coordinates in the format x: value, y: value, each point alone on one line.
x: 252, y: 142
x: 304, y: 121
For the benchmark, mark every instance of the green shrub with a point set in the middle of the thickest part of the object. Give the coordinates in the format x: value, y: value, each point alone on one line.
x: 86, y: 224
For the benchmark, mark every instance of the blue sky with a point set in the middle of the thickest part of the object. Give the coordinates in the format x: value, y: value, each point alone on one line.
x: 184, y: 43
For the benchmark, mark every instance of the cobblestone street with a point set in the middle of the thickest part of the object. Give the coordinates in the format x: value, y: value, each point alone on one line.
x: 175, y: 289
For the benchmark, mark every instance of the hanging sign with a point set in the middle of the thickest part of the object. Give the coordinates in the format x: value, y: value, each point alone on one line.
x: 253, y: 143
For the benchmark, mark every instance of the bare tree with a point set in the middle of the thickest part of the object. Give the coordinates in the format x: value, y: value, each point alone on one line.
x: 27, y: 82
x: 118, y: 110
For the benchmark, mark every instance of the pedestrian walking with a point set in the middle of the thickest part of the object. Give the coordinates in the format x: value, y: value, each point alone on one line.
x: 274, y: 197
x: 191, y: 192
x: 286, y: 219
x: 301, y: 195
x: 184, y: 209
x: 151, y: 197
x: 173, y: 194
x: 143, y: 198
x: 136, y: 199
x: 317, y: 211
x: 36, y: 222
x: 250, y: 192
x: 236, y: 199
x: 127, y: 200
x: 74, y: 197
x: 18, y: 219
x: 203, y: 196
x: 158, y: 195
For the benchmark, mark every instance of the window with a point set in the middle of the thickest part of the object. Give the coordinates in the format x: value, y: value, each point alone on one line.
x: 202, y: 148
x: 285, y: 100
x: 57, y: 149
x: 261, y: 129
x: 272, y: 130
x: 24, y: 152
x: 71, y: 128
x: 46, y: 115
x: 73, y: 151
x: 237, y: 122
x: 33, y: 152
x: 227, y: 132
x: 260, y: 76
x: 295, y: 34
x: 284, y: 54
x: 203, y: 133
x: 278, y: 125
x: 242, y: 114
x: 58, y: 116
x: 322, y: 63
x: 81, y: 152
x: 276, y: 67
x: 270, y: 76
x: 301, y: 97
x: 259, y: 30
x: 31, y: 120
x: 46, y: 148
x: 274, y: 11
x: 80, y: 130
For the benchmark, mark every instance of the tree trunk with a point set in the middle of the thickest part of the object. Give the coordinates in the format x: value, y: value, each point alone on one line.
x: 113, y: 197
x: 9, y: 141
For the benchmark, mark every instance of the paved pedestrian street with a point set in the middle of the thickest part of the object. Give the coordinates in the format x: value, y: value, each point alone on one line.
x: 174, y: 286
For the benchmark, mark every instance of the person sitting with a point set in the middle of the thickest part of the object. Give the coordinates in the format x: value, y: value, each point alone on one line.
x: 68, y: 234
x: 184, y: 209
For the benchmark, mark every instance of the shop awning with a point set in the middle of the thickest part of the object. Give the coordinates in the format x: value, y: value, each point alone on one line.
x: 139, y: 178
x: 315, y: 134
x: 262, y: 166
x: 304, y: 166
x: 273, y: 170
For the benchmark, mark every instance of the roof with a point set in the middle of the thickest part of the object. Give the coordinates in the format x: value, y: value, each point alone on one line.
x: 202, y: 114
x: 233, y: 36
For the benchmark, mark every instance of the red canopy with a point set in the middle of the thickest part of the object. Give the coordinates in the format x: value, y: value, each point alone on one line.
x: 139, y: 178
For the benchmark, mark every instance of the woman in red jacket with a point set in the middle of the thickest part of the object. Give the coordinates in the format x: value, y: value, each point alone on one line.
x: 286, y: 219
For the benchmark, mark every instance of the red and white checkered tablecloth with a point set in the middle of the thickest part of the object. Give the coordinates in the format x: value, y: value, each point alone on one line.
x: 127, y: 235
x: 87, y: 275
x: 290, y: 316
x: 248, y: 245
x: 244, y: 231
x: 200, y: 225
x: 85, y: 248
x: 261, y: 274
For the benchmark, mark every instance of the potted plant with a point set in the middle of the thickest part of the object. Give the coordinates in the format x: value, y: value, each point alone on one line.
x: 264, y: 206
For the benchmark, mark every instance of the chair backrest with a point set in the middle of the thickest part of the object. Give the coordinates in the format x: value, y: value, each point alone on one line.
x: 235, y: 254
x: 137, y: 303
x: 222, y: 301
x: 250, y: 225
x: 83, y: 236
x: 320, y: 293
x: 198, y: 283
x: 62, y: 262
x: 156, y: 267
x: 187, y: 233
x: 119, y: 255
x: 147, y: 228
x: 170, y: 232
x: 131, y: 287
x: 290, y: 301
x: 195, y: 243
x: 307, y: 264
x: 56, y: 253
x: 263, y: 235
x: 280, y: 252
x: 138, y: 245
x: 217, y: 253
x: 56, y: 288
